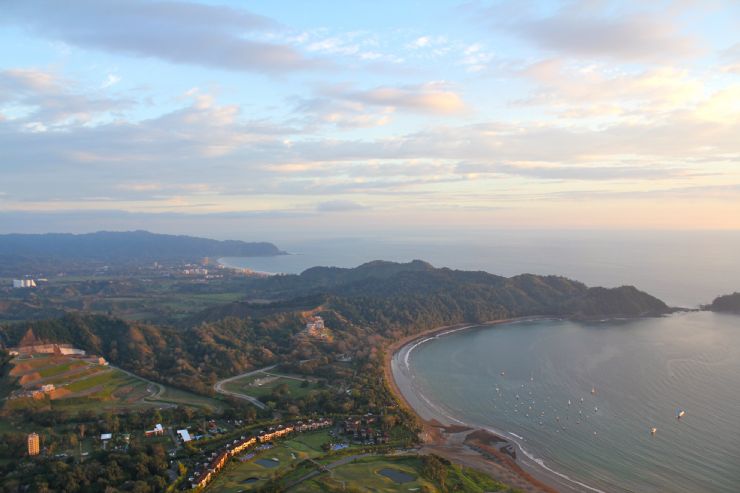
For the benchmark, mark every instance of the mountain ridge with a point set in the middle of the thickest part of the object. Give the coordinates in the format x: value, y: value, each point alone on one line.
x: 126, y: 246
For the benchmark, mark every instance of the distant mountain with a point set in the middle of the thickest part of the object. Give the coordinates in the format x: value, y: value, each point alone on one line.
x: 727, y: 303
x: 125, y: 246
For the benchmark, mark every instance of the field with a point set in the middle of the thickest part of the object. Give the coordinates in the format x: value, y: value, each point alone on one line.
x: 128, y: 295
x: 84, y: 385
x: 290, y: 452
x: 366, y: 474
x: 263, y: 384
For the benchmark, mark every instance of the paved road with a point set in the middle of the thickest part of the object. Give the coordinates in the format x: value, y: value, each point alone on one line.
x: 219, y: 387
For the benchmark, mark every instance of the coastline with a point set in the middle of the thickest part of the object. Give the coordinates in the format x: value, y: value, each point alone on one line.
x: 460, y: 442
x: 246, y: 270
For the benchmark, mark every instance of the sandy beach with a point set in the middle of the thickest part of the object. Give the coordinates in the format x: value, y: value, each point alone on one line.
x: 447, y: 436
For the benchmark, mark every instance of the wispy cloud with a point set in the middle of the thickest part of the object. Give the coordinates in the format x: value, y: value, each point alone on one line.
x: 339, y: 206
x: 431, y: 97
x: 174, y: 31
x: 612, y: 30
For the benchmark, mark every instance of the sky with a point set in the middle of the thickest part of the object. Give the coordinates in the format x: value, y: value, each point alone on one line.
x: 345, y: 117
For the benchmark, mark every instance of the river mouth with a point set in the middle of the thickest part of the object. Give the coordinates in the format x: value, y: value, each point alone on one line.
x: 582, y: 399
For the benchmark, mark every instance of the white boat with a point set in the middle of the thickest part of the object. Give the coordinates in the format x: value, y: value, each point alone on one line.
x: 653, y: 430
x: 593, y: 390
x: 680, y: 413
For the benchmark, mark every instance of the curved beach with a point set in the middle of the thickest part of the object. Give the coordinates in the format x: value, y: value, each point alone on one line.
x: 446, y: 435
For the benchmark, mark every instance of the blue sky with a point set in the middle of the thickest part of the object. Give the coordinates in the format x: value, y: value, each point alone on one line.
x: 361, y: 116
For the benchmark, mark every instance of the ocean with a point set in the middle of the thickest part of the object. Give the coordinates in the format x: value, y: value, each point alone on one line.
x: 642, y: 371
x: 582, y: 398
x: 682, y: 268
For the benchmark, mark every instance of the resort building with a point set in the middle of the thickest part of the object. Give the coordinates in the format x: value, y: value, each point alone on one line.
x: 24, y: 283
x: 184, y: 435
x: 157, y: 431
x: 33, y: 444
x: 206, y: 471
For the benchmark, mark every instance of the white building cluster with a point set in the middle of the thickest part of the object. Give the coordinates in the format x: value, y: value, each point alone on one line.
x: 24, y: 283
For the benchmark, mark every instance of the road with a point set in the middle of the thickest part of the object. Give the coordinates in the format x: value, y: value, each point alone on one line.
x: 219, y: 387
x: 156, y: 394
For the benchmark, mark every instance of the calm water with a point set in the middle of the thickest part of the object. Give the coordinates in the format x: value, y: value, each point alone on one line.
x: 642, y: 372
x: 681, y: 268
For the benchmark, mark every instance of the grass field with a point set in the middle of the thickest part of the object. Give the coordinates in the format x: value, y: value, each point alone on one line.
x: 262, y: 385
x: 288, y: 453
x: 182, y: 398
x: 364, y: 474
x: 82, y: 385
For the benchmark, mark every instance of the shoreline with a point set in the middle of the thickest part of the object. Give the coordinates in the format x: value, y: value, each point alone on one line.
x: 223, y: 265
x: 439, y: 429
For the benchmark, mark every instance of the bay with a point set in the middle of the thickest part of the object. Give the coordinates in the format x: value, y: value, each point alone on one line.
x: 640, y: 372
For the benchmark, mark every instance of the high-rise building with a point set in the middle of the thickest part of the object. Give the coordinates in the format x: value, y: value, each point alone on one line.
x: 33, y: 444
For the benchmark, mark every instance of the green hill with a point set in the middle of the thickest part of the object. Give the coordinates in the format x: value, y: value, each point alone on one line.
x: 363, y: 307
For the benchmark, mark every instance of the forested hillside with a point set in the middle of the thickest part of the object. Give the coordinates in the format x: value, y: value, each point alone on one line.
x: 363, y: 307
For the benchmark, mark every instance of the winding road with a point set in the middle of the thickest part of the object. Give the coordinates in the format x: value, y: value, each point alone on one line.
x: 219, y: 387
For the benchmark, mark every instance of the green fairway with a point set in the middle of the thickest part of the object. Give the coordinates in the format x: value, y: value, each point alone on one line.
x: 263, y: 385
x: 365, y: 474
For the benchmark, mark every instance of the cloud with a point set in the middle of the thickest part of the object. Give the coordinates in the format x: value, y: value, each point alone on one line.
x: 110, y: 80
x: 732, y: 58
x: 432, y: 97
x: 476, y: 58
x: 574, y: 90
x: 599, y: 30
x: 339, y: 206
x: 342, y: 113
x: 557, y: 172
x: 48, y: 100
x: 174, y: 31
x: 214, y: 156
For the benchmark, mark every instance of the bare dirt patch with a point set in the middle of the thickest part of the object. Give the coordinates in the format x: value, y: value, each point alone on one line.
x: 29, y: 378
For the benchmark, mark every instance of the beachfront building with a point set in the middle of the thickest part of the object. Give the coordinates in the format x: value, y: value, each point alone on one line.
x: 33, y: 444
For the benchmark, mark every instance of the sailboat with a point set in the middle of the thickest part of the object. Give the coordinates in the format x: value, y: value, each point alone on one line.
x: 680, y: 413
x: 593, y: 390
x: 653, y: 430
